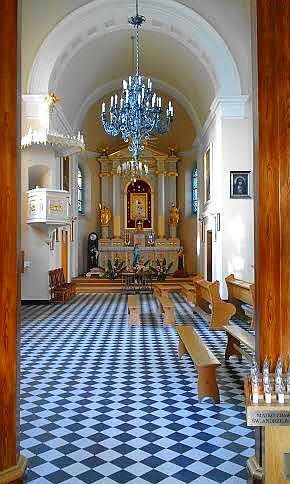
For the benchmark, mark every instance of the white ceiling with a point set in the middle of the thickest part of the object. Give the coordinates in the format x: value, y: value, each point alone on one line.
x: 110, y: 57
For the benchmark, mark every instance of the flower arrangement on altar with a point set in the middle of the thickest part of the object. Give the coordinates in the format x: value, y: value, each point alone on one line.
x: 161, y: 270
x: 114, y: 269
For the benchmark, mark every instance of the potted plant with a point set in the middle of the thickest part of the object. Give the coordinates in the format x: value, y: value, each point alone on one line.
x: 161, y: 270
x: 114, y: 269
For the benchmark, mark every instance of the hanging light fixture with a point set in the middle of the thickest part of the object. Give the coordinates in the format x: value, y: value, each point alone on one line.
x: 138, y: 113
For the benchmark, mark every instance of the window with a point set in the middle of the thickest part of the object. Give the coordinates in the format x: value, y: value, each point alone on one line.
x: 194, y: 191
x: 64, y: 173
x: 80, y: 191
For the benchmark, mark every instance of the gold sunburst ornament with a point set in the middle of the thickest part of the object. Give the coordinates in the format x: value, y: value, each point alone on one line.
x: 51, y: 99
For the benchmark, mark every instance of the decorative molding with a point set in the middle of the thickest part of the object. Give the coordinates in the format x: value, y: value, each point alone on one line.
x: 61, y: 142
x: 15, y: 473
x: 99, y: 17
x: 231, y: 107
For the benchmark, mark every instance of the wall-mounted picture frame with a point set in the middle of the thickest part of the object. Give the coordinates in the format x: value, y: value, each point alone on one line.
x: 240, y: 184
x: 207, y: 167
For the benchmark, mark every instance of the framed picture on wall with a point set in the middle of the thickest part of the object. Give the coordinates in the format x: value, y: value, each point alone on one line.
x: 207, y: 173
x: 240, y: 184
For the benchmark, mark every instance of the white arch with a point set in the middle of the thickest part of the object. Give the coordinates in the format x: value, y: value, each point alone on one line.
x: 100, y: 17
x: 115, y: 84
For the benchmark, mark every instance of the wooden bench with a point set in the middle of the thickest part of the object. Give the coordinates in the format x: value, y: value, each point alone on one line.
x: 208, y: 299
x: 236, y: 337
x: 134, y: 310
x: 60, y: 291
x: 168, y: 310
x: 164, y: 289
x: 205, y: 361
x: 240, y: 292
x: 189, y: 290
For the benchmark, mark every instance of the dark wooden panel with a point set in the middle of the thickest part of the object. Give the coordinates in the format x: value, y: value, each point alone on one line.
x: 8, y: 234
x: 273, y: 209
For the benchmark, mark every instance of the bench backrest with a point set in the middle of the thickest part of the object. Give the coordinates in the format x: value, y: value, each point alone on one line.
x: 242, y: 290
x: 199, y: 352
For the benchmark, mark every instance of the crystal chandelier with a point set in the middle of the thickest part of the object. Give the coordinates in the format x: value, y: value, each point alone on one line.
x: 138, y: 113
x: 132, y: 169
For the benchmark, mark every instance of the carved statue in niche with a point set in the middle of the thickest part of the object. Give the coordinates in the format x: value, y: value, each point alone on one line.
x: 93, y: 252
x: 173, y: 215
x: 105, y: 215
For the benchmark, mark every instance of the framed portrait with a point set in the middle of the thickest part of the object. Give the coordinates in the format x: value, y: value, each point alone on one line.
x: 240, y: 184
x: 207, y: 158
x: 138, y: 206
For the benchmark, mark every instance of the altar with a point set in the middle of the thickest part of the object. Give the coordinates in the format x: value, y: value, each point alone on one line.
x: 139, y: 212
x: 166, y: 249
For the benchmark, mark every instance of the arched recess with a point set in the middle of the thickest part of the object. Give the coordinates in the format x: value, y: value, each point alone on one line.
x: 101, y: 17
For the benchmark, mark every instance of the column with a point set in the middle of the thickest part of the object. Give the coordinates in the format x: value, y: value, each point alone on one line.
x: 106, y: 199
x: 12, y: 465
x: 116, y: 206
x: 161, y: 201
x: 272, y: 223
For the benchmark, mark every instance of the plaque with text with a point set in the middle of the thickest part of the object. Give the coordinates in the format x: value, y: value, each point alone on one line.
x: 263, y: 414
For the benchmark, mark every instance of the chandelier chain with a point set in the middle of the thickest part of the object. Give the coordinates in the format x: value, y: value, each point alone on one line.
x: 139, y: 113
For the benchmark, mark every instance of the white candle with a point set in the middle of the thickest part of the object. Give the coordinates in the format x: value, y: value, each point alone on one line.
x: 130, y: 80
x: 112, y: 101
x: 149, y: 82
x: 139, y: 99
x: 103, y: 107
x: 121, y: 102
x: 127, y: 96
x: 116, y: 99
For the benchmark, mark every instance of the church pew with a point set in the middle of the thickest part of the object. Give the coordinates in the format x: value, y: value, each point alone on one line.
x: 208, y: 300
x: 240, y: 292
x: 168, y: 309
x: 236, y: 337
x: 163, y: 289
x: 205, y: 362
x: 134, y: 309
x: 189, y: 289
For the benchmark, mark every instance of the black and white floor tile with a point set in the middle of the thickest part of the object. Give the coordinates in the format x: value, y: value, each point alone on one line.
x: 105, y: 403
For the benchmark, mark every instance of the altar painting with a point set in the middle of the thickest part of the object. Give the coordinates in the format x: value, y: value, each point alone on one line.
x: 139, y: 206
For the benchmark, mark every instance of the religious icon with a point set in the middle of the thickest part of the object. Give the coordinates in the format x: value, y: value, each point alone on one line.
x: 240, y: 184
x: 173, y: 215
x: 139, y: 209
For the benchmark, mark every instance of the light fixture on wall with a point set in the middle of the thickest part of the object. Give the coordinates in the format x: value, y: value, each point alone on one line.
x: 139, y: 112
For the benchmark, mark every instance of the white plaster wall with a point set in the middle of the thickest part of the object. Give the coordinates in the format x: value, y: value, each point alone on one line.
x: 90, y: 221
x: 233, y: 245
x: 187, y: 228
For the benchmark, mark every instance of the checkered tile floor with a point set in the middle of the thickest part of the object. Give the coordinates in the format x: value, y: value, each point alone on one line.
x: 105, y: 403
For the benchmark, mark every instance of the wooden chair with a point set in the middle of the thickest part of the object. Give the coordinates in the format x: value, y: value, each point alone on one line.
x: 205, y: 362
x: 60, y: 291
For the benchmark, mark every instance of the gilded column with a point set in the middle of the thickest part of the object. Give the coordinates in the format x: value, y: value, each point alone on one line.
x: 116, y: 205
x: 161, y: 200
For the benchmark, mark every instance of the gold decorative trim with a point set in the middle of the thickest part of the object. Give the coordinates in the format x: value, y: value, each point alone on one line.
x: 172, y: 173
x: 14, y: 473
x: 105, y: 173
